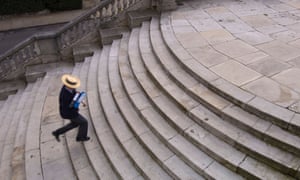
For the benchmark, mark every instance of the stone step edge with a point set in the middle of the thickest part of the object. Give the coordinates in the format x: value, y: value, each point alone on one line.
x: 10, y: 88
x: 140, y: 132
x: 290, y: 146
x: 5, y: 127
x: 282, y: 117
x: 189, y: 161
x: 105, y: 129
x: 91, y: 147
x: 33, y: 166
x: 133, y: 154
x: 18, y: 154
x: 241, y: 146
x: 249, y: 174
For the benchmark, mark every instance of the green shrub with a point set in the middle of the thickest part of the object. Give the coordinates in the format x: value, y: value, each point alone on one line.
x: 58, y: 5
x: 21, y: 6
x: 25, y: 6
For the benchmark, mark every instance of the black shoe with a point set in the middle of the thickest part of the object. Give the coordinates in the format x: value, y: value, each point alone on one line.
x: 56, y: 136
x: 83, y: 139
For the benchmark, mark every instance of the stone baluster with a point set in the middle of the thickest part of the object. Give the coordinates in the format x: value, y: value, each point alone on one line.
x: 109, y: 10
x: 126, y: 4
x: 121, y: 5
x: 104, y: 12
x: 115, y: 7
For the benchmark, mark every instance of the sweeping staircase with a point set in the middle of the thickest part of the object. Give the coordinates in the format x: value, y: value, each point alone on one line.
x: 152, y: 115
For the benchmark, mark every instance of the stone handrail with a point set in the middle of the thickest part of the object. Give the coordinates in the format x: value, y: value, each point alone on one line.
x: 28, y: 50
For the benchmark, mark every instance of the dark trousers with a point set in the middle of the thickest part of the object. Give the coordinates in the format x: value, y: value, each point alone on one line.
x: 75, y: 122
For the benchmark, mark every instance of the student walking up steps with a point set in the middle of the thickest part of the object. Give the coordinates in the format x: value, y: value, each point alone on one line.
x: 69, y: 99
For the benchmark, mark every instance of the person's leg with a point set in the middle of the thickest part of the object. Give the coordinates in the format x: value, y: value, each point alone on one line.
x: 83, y: 127
x: 64, y: 129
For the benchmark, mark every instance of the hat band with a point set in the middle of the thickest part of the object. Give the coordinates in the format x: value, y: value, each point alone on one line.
x: 71, y: 83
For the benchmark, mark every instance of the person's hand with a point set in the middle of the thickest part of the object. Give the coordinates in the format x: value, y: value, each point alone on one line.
x: 83, y: 104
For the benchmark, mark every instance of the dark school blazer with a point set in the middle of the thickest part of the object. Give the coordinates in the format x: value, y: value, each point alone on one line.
x: 65, y: 99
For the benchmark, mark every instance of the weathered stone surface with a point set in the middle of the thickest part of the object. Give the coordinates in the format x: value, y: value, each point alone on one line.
x: 269, y: 66
x: 173, y: 113
x: 278, y: 115
x: 236, y: 94
x: 200, y: 71
x: 235, y: 48
x: 261, y: 170
x: 217, y: 36
x: 144, y: 160
x: 209, y: 96
x: 58, y: 169
x: 246, y: 120
x: 227, y: 155
x: 207, y: 56
x: 191, y: 40
x: 287, y: 78
x: 252, y: 57
x: 254, y: 38
x: 257, y: 21
x: 271, y: 29
x: 280, y: 50
x: 158, y: 123
x: 192, y: 154
x: 203, y: 25
x: 156, y: 146
x: 182, y: 170
x: 286, y: 36
x: 236, y: 73
x: 272, y: 91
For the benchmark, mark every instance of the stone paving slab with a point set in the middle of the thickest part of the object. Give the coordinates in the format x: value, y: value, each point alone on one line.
x: 217, y: 36
x: 280, y: 50
x: 207, y: 56
x: 247, y: 32
x: 235, y: 48
x: 269, y: 66
x: 236, y: 73
x: 273, y: 91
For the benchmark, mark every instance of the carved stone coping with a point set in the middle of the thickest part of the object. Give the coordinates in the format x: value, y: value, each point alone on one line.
x: 49, y: 45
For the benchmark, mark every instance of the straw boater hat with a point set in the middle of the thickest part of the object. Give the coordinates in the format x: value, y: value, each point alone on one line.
x: 70, y: 81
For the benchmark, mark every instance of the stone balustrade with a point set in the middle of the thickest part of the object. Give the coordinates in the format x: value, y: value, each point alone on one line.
x: 14, y: 61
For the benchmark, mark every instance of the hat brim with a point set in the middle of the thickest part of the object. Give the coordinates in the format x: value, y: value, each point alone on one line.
x: 75, y: 84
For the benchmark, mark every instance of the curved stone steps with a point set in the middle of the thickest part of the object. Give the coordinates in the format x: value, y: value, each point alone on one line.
x: 6, y: 120
x: 76, y: 150
x: 142, y: 160
x: 169, y: 162
x: 9, y: 127
x: 198, y: 160
x: 249, y: 168
x: 287, y: 163
x: 263, y: 129
x: 33, y: 165
x: 280, y: 116
x: 117, y: 158
x: 18, y: 152
x: 93, y: 147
